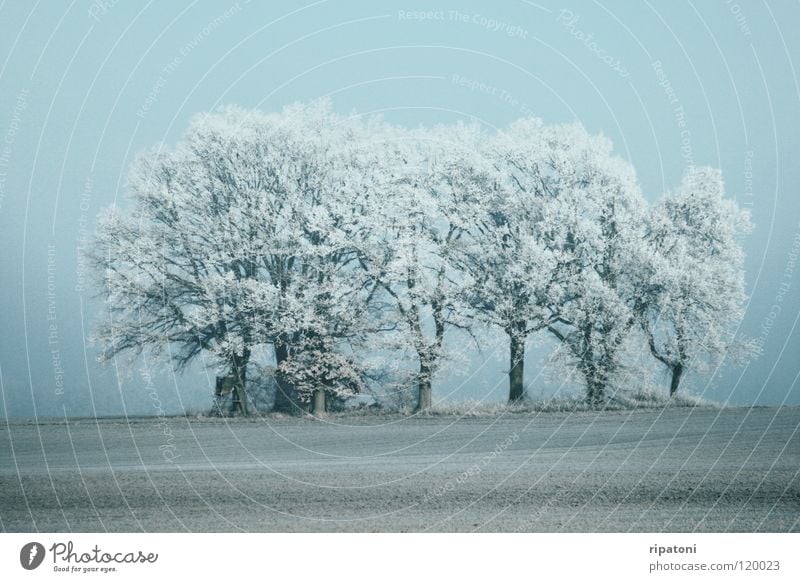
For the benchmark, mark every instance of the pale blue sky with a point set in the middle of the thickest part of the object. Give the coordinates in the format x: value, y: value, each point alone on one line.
x: 86, y: 85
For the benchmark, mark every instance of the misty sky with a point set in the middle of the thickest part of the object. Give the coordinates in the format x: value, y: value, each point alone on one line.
x: 84, y: 86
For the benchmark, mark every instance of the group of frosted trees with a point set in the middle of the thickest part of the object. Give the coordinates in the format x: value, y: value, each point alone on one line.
x: 314, y: 245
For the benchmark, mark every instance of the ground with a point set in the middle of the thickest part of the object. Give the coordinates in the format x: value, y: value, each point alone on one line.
x: 673, y: 469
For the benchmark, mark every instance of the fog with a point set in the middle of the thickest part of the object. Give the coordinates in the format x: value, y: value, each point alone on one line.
x: 84, y: 88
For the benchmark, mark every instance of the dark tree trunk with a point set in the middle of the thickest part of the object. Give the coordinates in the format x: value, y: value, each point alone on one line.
x: 596, y: 392
x: 239, y: 373
x: 593, y: 370
x: 516, y: 372
x: 219, y: 393
x: 285, y: 396
x: 318, y: 402
x: 677, y: 372
x: 425, y: 389
x: 595, y: 383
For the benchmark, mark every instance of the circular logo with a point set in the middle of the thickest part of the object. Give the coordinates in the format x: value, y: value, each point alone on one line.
x: 31, y: 555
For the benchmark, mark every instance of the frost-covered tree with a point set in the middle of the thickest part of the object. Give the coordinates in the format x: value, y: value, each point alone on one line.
x: 692, y: 299
x: 411, y: 257
x: 246, y: 233
x: 567, y: 225
x: 507, y: 268
x: 321, y: 370
x: 327, y: 240
x: 598, y: 213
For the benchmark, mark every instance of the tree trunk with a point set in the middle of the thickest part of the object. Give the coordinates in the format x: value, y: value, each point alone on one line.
x: 595, y: 394
x: 593, y: 371
x: 219, y: 390
x: 425, y: 389
x: 677, y: 372
x: 595, y: 383
x: 285, y: 396
x: 318, y: 402
x: 239, y: 372
x: 516, y: 373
